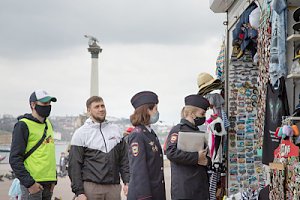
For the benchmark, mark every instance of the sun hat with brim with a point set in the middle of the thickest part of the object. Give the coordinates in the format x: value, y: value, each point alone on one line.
x: 296, y: 26
x: 205, y: 79
x: 41, y: 96
x: 208, y: 90
x: 296, y: 15
x: 214, y: 86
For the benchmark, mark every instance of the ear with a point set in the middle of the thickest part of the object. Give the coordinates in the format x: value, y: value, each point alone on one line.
x: 88, y: 111
x: 32, y: 105
x: 193, y: 115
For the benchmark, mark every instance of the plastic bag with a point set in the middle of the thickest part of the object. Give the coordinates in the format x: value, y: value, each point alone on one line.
x: 15, y: 190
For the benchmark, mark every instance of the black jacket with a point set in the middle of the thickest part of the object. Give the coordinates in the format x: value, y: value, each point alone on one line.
x: 146, y: 166
x: 188, y: 179
x: 17, y: 151
x: 98, y: 154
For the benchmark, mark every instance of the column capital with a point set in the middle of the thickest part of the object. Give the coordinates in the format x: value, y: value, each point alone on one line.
x: 94, y: 49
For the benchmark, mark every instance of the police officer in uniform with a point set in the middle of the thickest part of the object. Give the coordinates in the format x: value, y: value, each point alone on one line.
x: 145, y: 153
x: 189, y: 179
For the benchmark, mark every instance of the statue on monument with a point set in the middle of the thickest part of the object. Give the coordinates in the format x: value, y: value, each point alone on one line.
x: 92, y: 40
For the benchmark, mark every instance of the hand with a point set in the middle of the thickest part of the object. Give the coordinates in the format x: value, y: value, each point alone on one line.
x: 125, y: 189
x: 81, y: 197
x: 35, y: 188
x: 202, y: 159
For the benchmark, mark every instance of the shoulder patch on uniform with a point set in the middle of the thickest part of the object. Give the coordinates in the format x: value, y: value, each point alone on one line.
x: 135, y: 148
x: 174, y: 137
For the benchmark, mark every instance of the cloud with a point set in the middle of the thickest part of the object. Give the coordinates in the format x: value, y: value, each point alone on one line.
x: 32, y: 28
x: 147, y: 45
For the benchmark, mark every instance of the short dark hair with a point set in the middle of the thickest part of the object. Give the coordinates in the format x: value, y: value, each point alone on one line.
x: 93, y: 99
x: 141, y: 115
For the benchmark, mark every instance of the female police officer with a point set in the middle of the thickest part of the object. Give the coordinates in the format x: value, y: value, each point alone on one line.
x: 145, y: 153
x: 189, y: 178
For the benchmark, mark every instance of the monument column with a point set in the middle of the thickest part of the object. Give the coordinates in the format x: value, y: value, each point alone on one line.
x: 94, y: 49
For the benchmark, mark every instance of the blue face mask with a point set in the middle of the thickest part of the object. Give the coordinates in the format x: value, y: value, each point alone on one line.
x: 154, y: 118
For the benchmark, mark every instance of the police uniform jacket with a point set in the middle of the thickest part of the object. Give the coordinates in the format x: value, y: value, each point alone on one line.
x: 188, y: 179
x: 146, y: 166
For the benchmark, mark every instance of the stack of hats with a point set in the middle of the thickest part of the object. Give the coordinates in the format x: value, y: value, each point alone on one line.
x: 207, y: 83
x: 296, y: 16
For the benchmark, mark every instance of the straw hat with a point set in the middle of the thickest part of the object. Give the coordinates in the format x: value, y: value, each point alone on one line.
x: 217, y: 85
x: 205, y: 79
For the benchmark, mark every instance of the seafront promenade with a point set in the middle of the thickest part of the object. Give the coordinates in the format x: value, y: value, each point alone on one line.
x: 63, y: 188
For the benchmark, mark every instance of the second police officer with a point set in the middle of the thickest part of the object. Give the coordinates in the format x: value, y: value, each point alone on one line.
x: 189, y: 179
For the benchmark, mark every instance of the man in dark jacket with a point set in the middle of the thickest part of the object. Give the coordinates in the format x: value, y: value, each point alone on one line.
x: 189, y: 178
x: 36, y: 171
x: 98, y: 156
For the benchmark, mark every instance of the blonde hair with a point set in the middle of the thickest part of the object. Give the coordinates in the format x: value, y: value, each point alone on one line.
x: 187, y: 111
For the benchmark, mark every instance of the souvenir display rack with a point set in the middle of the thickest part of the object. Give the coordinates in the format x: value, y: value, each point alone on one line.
x: 244, y: 165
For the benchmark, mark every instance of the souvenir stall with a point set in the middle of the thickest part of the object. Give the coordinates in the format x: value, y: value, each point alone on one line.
x: 261, y: 74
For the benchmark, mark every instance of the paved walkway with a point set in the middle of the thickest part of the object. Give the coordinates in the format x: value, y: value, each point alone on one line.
x: 63, y: 188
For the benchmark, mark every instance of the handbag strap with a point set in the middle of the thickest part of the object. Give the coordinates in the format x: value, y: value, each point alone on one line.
x: 37, y: 144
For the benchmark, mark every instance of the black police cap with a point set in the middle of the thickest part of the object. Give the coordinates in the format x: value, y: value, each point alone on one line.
x: 197, y: 101
x: 144, y: 97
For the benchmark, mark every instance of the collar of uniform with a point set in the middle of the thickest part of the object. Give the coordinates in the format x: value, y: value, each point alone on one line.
x: 188, y: 123
x: 146, y: 129
x: 149, y: 128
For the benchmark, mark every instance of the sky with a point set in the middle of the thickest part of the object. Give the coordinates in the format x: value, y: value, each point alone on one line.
x: 156, y: 45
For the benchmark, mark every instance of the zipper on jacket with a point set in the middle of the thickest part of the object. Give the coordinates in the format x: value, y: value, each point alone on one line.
x: 103, y: 138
